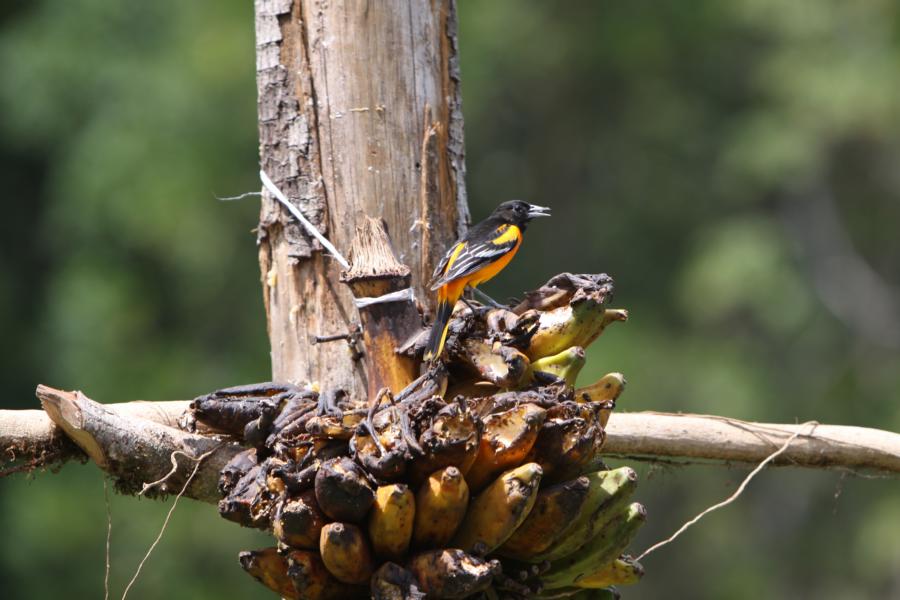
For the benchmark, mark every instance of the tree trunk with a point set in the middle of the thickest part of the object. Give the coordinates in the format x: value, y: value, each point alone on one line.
x: 359, y: 115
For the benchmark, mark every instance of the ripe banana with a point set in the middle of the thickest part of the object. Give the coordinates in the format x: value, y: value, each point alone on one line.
x: 346, y: 553
x: 503, y: 366
x: 609, y: 491
x: 298, y: 522
x: 271, y: 569
x: 393, y: 582
x: 342, y: 491
x: 564, y: 365
x: 575, y: 324
x: 553, y: 510
x: 451, y: 439
x: 622, y: 571
x: 441, y: 504
x: 452, y: 573
x: 612, y: 539
x: 391, y: 520
x: 505, y: 441
x: 608, y: 387
x: 499, y: 510
x: 312, y: 581
x: 563, y: 446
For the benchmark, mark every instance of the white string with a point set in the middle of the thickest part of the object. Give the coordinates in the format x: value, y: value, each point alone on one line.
x: 279, y: 195
x: 737, y: 492
x: 405, y: 294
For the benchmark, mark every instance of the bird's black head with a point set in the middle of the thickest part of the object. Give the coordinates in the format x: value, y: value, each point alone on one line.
x: 519, y: 212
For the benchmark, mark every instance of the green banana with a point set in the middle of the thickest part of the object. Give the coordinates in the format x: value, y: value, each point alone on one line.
x: 612, y: 539
x: 608, y: 493
x: 563, y: 365
x: 622, y: 571
x: 575, y: 324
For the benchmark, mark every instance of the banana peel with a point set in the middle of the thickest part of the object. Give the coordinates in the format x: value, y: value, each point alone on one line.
x: 499, y: 510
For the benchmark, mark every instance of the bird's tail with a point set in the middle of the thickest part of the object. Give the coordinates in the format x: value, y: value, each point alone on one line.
x: 439, y: 329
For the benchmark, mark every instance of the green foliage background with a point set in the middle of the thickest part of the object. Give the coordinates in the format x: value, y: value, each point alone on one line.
x: 734, y: 165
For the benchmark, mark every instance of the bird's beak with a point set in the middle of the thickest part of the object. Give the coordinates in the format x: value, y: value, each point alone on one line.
x: 538, y: 211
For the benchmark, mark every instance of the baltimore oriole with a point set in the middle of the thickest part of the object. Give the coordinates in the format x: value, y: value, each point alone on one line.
x: 485, y: 250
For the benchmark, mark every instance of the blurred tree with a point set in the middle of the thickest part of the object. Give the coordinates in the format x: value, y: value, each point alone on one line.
x: 733, y: 165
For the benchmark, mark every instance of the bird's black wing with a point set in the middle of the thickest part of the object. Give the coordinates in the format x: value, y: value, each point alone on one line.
x: 473, y: 253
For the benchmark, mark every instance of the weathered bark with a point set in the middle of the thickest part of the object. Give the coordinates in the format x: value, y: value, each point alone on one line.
x: 138, y: 451
x: 375, y: 273
x: 359, y: 114
x: 29, y: 439
x: 710, y: 437
x: 640, y: 434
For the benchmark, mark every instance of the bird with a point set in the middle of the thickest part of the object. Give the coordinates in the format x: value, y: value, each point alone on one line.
x: 484, y: 251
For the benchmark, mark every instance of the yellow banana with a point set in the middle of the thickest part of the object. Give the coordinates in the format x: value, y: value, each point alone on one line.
x: 553, y: 510
x: 271, y: 569
x: 451, y: 439
x: 298, y: 522
x: 499, y: 510
x: 608, y: 387
x: 312, y: 581
x: 609, y: 491
x: 622, y: 571
x: 441, y: 504
x: 506, y: 439
x: 611, y: 540
x: 452, y: 573
x: 346, y: 553
x: 576, y: 324
x: 391, y: 520
x: 564, y: 365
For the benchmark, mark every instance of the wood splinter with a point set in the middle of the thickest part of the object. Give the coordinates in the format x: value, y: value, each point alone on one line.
x: 375, y: 272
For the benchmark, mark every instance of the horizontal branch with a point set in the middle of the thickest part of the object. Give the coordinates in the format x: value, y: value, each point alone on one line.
x: 135, y: 441
x: 714, y: 438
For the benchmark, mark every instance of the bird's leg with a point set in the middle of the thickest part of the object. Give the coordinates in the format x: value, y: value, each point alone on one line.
x: 474, y: 309
x: 485, y: 298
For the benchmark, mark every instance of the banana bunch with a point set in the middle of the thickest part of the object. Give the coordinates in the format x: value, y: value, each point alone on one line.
x: 482, y: 478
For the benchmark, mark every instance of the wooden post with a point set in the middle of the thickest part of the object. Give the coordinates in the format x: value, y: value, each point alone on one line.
x: 359, y: 115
